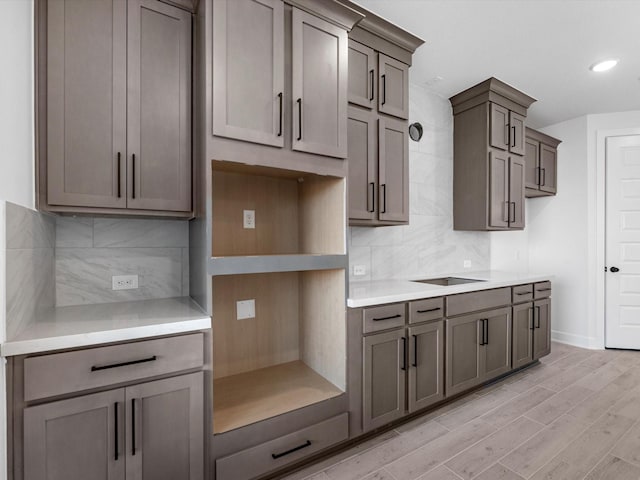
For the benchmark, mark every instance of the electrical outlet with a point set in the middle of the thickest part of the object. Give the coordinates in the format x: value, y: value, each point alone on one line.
x: 249, y: 218
x: 467, y: 264
x: 359, y: 270
x: 245, y: 309
x: 124, y: 282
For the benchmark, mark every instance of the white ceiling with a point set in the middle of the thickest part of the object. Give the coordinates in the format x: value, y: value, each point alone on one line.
x: 542, y: 47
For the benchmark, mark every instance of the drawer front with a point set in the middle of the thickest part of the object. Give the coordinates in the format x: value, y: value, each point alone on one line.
x: 542, y: 290
x: 275, y: 454
x: 427, y: 309
x: 67, y: 372
x: 476, y: 301
x: 522, y: 293
x: 382, y: 318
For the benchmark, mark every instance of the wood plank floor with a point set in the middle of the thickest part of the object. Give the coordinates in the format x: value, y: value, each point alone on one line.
x: 574, y: 416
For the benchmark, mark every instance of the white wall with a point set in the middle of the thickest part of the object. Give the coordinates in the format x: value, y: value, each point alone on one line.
x: 16, y: 142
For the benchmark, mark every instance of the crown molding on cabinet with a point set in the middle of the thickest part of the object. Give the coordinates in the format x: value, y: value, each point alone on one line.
x: 332, y: 11
x: 492, y: 90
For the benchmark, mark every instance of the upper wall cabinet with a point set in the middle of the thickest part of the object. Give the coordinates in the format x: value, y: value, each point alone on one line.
x: 394, y: 87
x: 488, y: 167
x: 114, y: 100
x: 541, y: 169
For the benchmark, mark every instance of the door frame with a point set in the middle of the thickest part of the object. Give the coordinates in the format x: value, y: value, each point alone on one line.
x: 600, y: 241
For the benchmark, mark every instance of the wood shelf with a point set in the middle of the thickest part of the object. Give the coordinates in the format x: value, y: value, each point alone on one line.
x: 249, y: 397
x: 242, y: 264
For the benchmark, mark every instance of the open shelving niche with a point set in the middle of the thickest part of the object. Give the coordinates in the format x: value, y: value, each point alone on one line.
x: 293, y: 352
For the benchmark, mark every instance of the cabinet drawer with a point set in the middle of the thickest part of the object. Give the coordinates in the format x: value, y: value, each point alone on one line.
x: 59, y: 373
x: 383, y: 317
x: 522, y: 293
x: 542, y: 290
x: 272, y: 455
x: 428, y: 309
x: 476, y: 301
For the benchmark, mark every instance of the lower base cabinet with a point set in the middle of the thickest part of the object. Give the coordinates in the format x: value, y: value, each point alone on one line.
x: 149, y: 431
x: 426, y: 365
x: 531, y: 331
x: 541, y: 328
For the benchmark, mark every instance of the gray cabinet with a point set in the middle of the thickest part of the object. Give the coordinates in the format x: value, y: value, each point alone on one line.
x: 362, y: 136
x: 497, y: 343
x: 542, y: 328
x: 362, y: 75
x: 384, y: 376
x: 531, y: 323
x: 393, y: 164
x: 248, y: 74
x: 541, y: 158
x: 426, y: 365
x: 118, y: 108
x: 393, y: 81
x: 523, y: 328
x: 489, y: 172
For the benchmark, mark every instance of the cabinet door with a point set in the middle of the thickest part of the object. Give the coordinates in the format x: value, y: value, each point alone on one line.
x: 164, y: 433
x: 363, y: 162
x: 516, y: 133
x: 362, y: 75
x: 497, y: 343
x: 79, y: 438
x: 464, y: 367
x: 86, y: 103
x: 532, y: 163
x: 426, y: 365
x: 393, y: 86
x: 248, y: 70
x: 159, y: 107
x: 498, y: 189
x: 522, y: 336
x: 499, y: 121
x: 384, y: 365
x: 319, y: 86
x: 516, y: 192
x: 548, y: 169
x: 542, y: 330
x: 393, y: 165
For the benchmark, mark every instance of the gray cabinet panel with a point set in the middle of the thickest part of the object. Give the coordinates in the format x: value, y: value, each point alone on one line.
x: 76, y: 438
x: 319, y: 86
x: 542, y: 328
x: 427, y: 309
x: 548, y: 169
x: 464, y: 368
x: 362, y: 161
x: 516, y: 133
x: 498, y: 189
x: 393, y: 85
x: 383, y: 317
x: 159, y: 107
x: 384, y: 373
x: 86, y: 103
x: 426, y: 365
x: 541, y: 290
x: 497, y: 348
x: 475, y: 301
x: 393, y: 197
x: 522, y: 293
x: 362, y: 75
x: 165, y: 435
x: 532, y: 163
x: 248, y: 70
x: 516, y: 192
x: 522, y: 339
x: 499, y: 127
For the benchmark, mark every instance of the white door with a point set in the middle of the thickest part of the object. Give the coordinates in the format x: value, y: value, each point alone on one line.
x: 623, y: 242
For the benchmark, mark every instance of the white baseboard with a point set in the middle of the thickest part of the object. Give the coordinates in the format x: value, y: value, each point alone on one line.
x: 574, y: 340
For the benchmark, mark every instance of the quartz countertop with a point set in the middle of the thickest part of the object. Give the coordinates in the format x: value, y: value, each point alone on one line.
x: 376, y: 292
x: 85, y: 325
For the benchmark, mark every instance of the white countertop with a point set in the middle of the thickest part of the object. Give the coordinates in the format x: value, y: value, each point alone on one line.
x: 84, y: 325
x: 376, y: 292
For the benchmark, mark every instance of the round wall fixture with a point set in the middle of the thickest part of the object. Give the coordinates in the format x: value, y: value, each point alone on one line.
x: 415, y: 131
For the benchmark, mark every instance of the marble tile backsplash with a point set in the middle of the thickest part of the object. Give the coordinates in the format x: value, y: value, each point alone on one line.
x: 428, y: 245
x: 89, y: 251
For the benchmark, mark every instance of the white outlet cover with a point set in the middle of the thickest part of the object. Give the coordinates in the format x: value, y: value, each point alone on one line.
x: 467, y: 264
x: 359, y: 270
x: 124, y: 282
x: 245, y: 309
x: 249, y: 218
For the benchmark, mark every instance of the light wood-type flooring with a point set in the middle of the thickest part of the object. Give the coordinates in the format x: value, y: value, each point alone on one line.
x: 574, y: 416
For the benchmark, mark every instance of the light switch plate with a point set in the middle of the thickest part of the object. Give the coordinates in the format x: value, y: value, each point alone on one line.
x: 249, y: 218
x: 124, y: 282
x: 467, y: 264
x: 245, y: 309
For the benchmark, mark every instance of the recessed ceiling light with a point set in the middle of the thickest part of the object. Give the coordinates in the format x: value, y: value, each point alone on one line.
x: 604, y: 65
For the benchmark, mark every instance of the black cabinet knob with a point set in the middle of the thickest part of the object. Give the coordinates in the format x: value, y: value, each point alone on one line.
x: 614, y: 269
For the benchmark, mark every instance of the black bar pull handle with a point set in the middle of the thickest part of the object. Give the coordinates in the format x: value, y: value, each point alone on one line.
x: 280, y: 115
x: 123, y: 364
x: 429, y: 310
x: 133, y: 426
x: 384, y: 89
x: 115, y: 434
x: 539, y: 311
x: 133, y: 176
x: 539, y: 175
x: 544, y: 176
x: 486, y: 331
x: 513, y: 143
x: 404, y: 354
x: 543, y: 290
x: 384, y: 197
x: 372, y: 75
x: 531, y: 315
x: 119, y: 171
x: 481, y: 342
x: 415, y: 350
x: 523, y: 293
x: 387, y: 318
x: 294, y: 449
x: 373, y: 197
x: 299, y: 102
